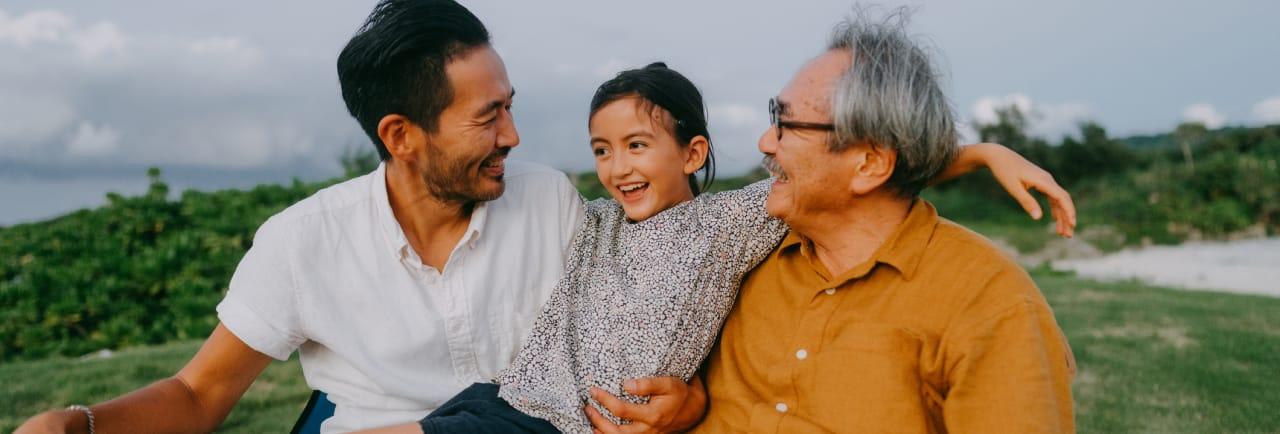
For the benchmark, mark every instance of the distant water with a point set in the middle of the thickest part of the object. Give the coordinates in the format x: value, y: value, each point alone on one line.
x: 24, y: 199
x: 1249, y: 266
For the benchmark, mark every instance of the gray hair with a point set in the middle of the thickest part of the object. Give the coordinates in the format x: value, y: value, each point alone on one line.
x: 891, y: 96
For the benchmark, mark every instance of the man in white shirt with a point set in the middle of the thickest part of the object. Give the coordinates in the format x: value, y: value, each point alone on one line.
x: 401, y: 287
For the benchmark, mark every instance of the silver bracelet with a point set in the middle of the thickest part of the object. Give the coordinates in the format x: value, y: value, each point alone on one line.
x: 87, y: 412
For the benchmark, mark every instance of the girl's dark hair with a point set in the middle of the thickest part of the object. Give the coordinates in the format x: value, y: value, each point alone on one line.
x: 666, y: 89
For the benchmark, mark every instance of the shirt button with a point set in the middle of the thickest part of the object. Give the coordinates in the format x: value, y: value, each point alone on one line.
x: 781, y: 407
x: 830, y: 291
x: 802, y: 354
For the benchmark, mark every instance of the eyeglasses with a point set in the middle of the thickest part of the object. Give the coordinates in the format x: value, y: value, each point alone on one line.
x: 775, y: 119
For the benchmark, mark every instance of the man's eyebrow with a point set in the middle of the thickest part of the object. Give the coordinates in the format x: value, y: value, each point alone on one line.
x: 495, y: 104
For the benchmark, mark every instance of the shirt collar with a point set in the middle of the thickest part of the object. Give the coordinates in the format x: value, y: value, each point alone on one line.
x: 907, y: 245
x: 394, y: 234
x: 386, y: 219
x: 476, y: 227
x: 903, y: 250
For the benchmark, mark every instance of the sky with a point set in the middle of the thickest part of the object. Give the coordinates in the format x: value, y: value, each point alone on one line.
x: 234, y: 93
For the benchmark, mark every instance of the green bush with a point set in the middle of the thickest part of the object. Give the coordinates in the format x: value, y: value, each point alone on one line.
x: 139, y: 270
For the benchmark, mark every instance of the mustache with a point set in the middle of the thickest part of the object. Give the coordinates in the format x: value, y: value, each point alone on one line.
x: 499, y: 154
x: 771, y: 164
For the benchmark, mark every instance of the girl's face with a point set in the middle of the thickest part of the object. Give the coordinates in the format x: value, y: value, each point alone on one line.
x: 638, y: 159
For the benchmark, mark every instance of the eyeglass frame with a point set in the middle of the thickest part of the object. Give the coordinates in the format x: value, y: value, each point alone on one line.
x: 775, y: 120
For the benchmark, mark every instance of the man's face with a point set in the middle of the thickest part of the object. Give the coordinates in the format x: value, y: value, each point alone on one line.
x: 811, y: 179
x: 463, y: 160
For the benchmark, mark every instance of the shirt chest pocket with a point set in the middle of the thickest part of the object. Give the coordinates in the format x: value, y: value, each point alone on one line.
x: 867, y: 378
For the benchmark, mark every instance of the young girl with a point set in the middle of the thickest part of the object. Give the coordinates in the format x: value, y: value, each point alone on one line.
x: 651, y: 275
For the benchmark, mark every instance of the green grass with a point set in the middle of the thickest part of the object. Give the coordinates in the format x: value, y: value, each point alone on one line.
x: 1150, y: 360
x: 271, y: 405
x: 1167, y: 361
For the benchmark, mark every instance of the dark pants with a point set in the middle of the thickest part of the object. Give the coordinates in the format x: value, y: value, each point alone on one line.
x: 478, y: 409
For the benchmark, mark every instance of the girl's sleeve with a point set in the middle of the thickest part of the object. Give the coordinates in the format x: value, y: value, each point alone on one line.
x: 739, y: 228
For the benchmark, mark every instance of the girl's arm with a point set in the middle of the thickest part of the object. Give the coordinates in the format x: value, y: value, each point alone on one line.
x: 1018, y: 177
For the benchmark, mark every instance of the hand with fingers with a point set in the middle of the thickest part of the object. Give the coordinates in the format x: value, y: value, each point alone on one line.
x: 1019, y: 176
x: 673, y: 406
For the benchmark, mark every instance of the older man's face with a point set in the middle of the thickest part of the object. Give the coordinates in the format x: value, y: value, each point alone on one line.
x: 811, y: 179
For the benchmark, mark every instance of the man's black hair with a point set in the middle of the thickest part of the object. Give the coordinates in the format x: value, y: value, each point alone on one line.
x: 395, y: 63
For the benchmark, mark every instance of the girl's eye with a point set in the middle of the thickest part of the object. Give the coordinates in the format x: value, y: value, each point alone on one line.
x: 600, y: 152
x: 636, y: 145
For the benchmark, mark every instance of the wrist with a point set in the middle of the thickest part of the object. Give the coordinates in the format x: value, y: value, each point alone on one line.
x: 982, y: 154
x: 71, y: 420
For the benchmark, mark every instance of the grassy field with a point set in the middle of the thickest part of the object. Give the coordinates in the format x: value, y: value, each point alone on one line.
x: 1150, y: 360
x: 270, y: 406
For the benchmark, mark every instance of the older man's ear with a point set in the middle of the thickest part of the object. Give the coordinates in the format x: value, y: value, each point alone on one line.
x: 872, y: 167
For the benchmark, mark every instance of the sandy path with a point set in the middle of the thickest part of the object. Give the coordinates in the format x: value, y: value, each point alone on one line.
x: 1249, y: 266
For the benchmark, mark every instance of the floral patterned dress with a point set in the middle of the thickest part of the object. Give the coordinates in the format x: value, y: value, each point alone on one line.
x: 638, y: 299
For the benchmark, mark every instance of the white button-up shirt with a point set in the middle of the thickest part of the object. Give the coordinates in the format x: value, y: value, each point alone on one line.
x: 387, y: 337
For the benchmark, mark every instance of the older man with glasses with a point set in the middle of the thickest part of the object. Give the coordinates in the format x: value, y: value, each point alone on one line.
x: 875, y: 314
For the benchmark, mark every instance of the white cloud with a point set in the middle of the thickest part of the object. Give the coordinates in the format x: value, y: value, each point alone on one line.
x: 967, y: 133
x: 98, y: 40
x: 55, y: 27
x: 1268, y: 110
x: 91, y: 141
x: 231, y: 53
x: 1044, y: 119
x: 29, y: 117
x: 236, y: 142
x: 179, y: 99
x: 737, y: 115
x: 34, y: 26
x: 984, y: 111
x: 1204, y: 113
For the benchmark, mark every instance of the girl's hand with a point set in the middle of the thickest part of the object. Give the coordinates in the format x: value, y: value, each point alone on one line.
x: 1019, y: 176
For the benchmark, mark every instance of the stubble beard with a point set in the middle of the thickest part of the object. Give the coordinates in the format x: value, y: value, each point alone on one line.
x: 452, y: 182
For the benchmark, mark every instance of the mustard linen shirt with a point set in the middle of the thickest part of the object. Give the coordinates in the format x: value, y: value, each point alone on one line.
x: 937, y: 332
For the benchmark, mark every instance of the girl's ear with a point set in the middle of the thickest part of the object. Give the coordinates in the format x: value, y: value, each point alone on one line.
x: 696, y: 154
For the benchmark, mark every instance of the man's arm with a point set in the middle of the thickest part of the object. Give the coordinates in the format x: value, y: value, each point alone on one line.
x: 197, y: 399
x: 673, y: 406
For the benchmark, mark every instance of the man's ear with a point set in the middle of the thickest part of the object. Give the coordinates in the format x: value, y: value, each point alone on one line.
x: 698, y: 150
x: 873, y: 167
x: 401, y: 137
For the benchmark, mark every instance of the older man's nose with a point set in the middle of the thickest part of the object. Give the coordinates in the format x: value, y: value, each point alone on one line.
x: 768, y: 143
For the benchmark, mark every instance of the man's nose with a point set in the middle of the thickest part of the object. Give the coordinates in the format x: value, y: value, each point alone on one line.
x: 768, y: 143
x: 508, y: 137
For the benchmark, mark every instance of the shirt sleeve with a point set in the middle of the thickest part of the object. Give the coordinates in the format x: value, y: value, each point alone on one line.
x: 261, y: 307
x: 572, y: 211
x: 740, y: 228
x: 1011, y: 371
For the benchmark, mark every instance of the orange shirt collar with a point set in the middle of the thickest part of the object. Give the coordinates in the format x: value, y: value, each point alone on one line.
x: 902, y: 251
